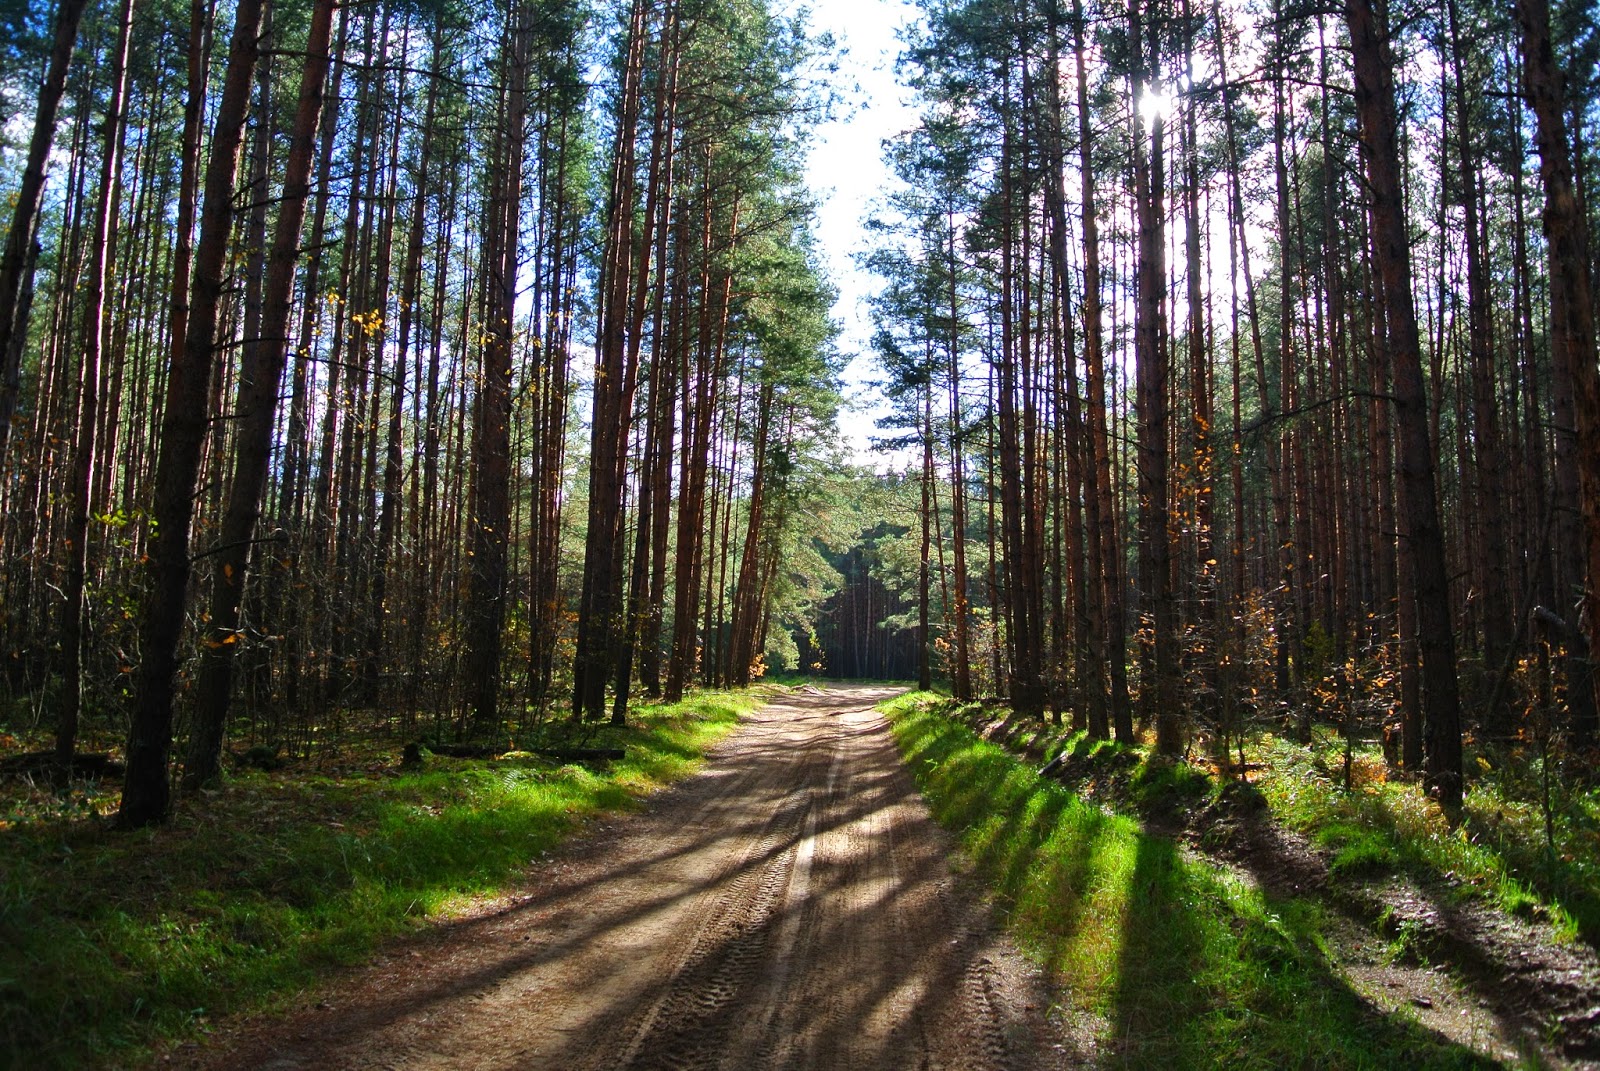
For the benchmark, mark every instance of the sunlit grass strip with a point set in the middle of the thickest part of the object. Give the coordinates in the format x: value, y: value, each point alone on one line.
x: 110, y: 941
x: 1182, y: 965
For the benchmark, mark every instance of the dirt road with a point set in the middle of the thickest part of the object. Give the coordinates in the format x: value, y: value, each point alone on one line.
x: 791, y: 906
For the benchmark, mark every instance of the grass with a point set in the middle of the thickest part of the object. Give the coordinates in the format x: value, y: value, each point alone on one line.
x: 1183, y: 965
x: 1498, y: 852
x: 111, y: 942
x: 1381, y: 826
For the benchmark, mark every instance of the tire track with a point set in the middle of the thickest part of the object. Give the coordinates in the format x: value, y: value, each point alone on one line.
x: 788, y: 909
x: 685, y: 1029
x: 690, y: 1023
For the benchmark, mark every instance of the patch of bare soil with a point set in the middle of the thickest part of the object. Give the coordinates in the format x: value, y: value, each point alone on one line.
x: 791, y: 906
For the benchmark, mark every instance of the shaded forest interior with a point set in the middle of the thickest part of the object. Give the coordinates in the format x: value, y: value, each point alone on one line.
x: 472, y: 366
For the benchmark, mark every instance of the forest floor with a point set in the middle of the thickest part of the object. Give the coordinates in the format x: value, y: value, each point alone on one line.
x: 1429, y: 947
x: 794, y: 904
x: 112, y: 942
x: 790, y: 906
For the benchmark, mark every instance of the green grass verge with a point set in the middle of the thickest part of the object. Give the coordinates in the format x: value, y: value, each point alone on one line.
x: 110, y: 941
x: 1498, y: 852
x: 1184, y: 965
x: 1501, y: 852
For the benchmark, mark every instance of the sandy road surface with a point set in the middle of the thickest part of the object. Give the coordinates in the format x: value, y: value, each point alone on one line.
x: 790, y: 906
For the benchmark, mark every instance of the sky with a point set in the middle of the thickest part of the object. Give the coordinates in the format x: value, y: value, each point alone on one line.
x: 847, y: 174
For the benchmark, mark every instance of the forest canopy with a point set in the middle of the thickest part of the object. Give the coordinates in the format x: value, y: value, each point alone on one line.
x: 461, y: 361
x: 1251, y: 348
x: 474, y: 363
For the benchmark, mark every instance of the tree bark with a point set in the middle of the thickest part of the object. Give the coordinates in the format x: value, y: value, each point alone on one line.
x: 1572, y: 341
x: 1375, y: 106
x: 74, y: 626
x: 1150, y: 354
x: 146, y: 794
x: 488, y: 530
x: 597, y: 608
x: 14, y: 258
x: 1102, y: 505
x: 256, y: 415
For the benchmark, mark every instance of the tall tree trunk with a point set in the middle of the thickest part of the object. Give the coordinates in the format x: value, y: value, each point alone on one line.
x: 74, y: 627
x: 699, y: 412
x: 256, y: 415
x: 1572, y: 344
x: 1280, y: 604
x: 1490, y: 512
x: 488, y: 530
x: 655, y: 447
x: 1280, y: 437
x: 1375, y: 106
x: 1102, y: 505
x: 146, y: 793
x: 1205, y: 568
x: 1026, y: 690
x: 961, y: 685
x: 410, y: 310
x: 1076, y: 455
x: 924, y: 640
x: 1150, y: 354
x: 15, y: 259
x: 597, y: 607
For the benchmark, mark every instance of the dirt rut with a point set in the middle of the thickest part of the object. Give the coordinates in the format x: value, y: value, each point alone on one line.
x: 790, y: 906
